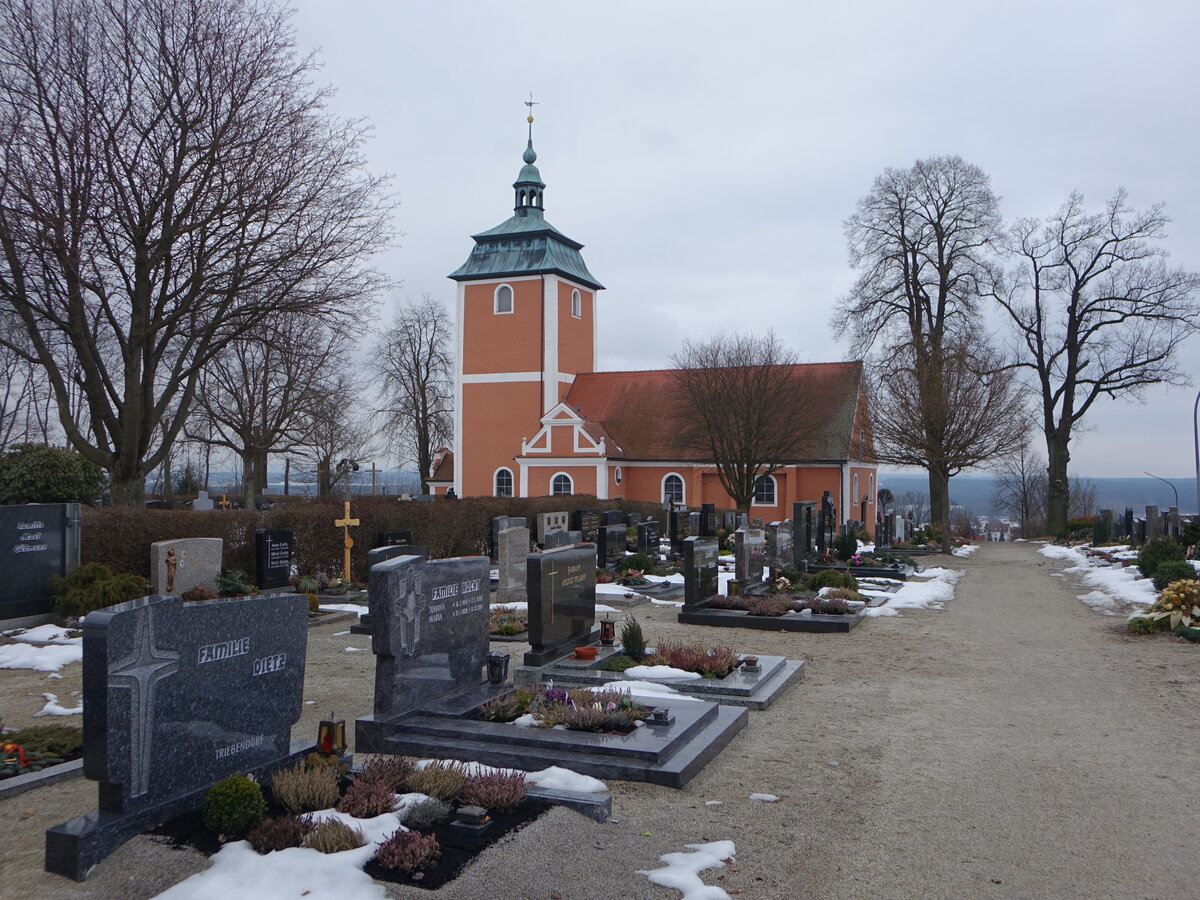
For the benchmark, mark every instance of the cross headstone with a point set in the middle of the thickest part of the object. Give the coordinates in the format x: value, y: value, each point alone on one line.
x: 37, y: 543
x: 203, y: 502
x: 700, y: 571
x: 346, y: 523
x: 648, y: 538
x: 562, y: 602
x: 273, y: 557
x: 178, y: 565
x: 512, y: 550
x: 225, y: 503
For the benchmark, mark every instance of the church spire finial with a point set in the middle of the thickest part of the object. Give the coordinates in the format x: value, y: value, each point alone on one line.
x: 530, y: 156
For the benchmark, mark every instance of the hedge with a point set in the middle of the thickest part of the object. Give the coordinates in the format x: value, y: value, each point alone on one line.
x: 121, y: 537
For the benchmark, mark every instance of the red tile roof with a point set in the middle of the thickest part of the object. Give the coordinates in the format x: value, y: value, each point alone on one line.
x: 637, y: 415
x: 444, y: 469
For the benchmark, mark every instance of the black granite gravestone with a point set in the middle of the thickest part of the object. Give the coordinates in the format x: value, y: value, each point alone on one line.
x: 708, y: 520
x: 803, y: 533
x: 632, y: 519
x: 678, y: 521
x: 430, y: 630
x: 176, y: 697
x: 273, y: 557
x: 648, y: 538
x: 700, y: 571
x: 393, y: 539
x: 613, y: 517
x: 36, y: 543
x: 694, y: 522
x: 588, y: 522
x: 562, y: 601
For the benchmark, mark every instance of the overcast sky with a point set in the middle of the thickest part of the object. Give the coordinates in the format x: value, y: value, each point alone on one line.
x: 707, y: 154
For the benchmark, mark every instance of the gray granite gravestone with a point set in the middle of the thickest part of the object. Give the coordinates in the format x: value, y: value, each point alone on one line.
x: 430, y: 635
x: 779, y: 546
x: 378, y: 555
x: 700, y: 572
x: 37, y: 542
x: 158, y: 722
x: 203, y: 502
x: 499, y: 523
x: 551, y: 523
x: 647, y: 540
x: 557, y: 539
x: 749, y: 556
x: 513, y: 548
x: 562, y: 602
x: 393, y: 539
x: 272, y: 557
x: 178, y: 565
x: 1153, y: 523
x: 588, y: 522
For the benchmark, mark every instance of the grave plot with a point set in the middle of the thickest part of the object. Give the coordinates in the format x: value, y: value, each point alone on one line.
x: 159, y: 727
x: 764, y: 611
x: 432, y: 699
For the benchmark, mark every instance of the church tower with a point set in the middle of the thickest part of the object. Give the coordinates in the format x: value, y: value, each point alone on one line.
x: 526, y: 328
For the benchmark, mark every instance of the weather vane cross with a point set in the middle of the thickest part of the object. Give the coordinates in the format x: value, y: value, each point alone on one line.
x: 531, y: 103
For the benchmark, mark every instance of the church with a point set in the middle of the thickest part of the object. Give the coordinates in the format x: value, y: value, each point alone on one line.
x: 533, y: 417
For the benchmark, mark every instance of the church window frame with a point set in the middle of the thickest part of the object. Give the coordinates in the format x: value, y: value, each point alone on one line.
x: 766, y: 491
x: 561, y: 485
x: 673, y: 491
x: 576, y: 305
x: 499, y: 297
x: 498, y: 490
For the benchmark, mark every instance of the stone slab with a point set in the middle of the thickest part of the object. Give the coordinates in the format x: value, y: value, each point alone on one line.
x: 736, y: 618
x: 180, y: 564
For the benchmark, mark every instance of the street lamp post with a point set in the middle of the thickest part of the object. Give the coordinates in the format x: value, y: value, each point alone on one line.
x: 1196, y: 440
x: 1164, y: 481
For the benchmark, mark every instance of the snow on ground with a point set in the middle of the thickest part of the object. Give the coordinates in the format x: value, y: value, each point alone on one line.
x: 1115, y: 589
x: 682, y: 870
x: 658, y: 602
x: 644, y: 689
x: 654, y: 672
x: 45, y: 634
x: 965, y: 550
x: 931, y: 594
x: 53, y: 709
x: 677, y: 578
x: 765, y: 798
x: 359, y: 608
x: 523, y: 606
x: 41, y: 659
x: 555, y: 777
x: 354, y: 650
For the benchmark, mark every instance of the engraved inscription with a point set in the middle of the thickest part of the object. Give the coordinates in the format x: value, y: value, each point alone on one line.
x: 208, y: 653
x: 272, y: 663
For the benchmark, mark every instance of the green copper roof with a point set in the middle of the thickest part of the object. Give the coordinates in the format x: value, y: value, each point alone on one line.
x: 525, y: 245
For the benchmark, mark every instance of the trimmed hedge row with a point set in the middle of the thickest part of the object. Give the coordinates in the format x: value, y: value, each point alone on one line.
x: 121, y: 537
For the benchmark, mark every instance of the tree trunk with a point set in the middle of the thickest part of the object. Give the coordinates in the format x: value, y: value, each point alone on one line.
x: 939, y: 504
x: 252, y: 476
x: 127, y: 488
x: 324, y: 477
x: 1058, y: 493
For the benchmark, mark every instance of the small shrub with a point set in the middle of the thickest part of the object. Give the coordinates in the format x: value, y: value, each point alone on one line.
x: 830, y: 606
x: 62, y: 741
x: 390, y: 771
x: 305, y: 788
x: 507, y: 707
x: 502, y: 620
x: 365, y: 800
x: 832, y: 578
x: 279, y: 833
x: 197, y: 593
x: 841, y: 594
x: 1156, y: 551
x: 314, y: 603
x: 1173, y: 570
x: 722, y: 601
x: 1146, y: 625
x: 601, y: 711
x: 93, y: 586
x: 709, y: 662
x: 16, y: 760
x: 768, y: 606
x: 1101, y: 534
x: 619, y: 663
x: 233, y: 584
x: 443, y: 779
x: 408, y: 851
x: 845, y: 546
x: 306, y: 584
x: 497, y: 790
x: 234, y: 806
x: 633, y: 640
x: 35, y: 473
x: 333, y: 836
x: 792, y: 574
x: 427, y: 813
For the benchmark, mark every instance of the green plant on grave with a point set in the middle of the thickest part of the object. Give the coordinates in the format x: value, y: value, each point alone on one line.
x: 633, y: 639
x: 831, y: 578
x: 305, y: 788
x: 62, y: 741
x: 427, y: 813
x: 618, y: 663
x: 1101, y: 533
x: 233, y: 584
x: 1178, y: 604
x: 508, y: 707
x: 306, y: 584
x: 845, y: 546
x: 234, y: 806
x: 16, y: 760
x: 333, y: 836
x: 314, y: 603
x: 640, y: 561
x: 792, y: 574
x: 1173, y: 570
x: 443, y: 779
x: 93, y: 586
x: 1145, y: 625
x: 1158, y: 550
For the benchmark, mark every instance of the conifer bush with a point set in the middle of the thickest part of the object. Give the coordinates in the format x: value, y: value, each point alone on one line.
x: 234, y: 806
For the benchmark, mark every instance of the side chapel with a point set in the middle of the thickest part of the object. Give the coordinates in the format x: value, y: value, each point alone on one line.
x: 533, y: 417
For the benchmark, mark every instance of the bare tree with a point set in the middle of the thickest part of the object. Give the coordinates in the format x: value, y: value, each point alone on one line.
x: 1097, y: 313
x: 337, y: 430
x: 743, y: 406
x: 922, y: 241
x: 265, y: 391
x: 1081, y: 502
x: 914, y: 504
x: 413, y: 356
x: 1020, y: 489
x: 169, y: 178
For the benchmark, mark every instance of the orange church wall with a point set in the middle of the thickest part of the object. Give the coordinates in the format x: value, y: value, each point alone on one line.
x: 864, y: 489
x: 510, y: 342
x: 575, y: 337
x: 492, y: 431
x: 583, y: 478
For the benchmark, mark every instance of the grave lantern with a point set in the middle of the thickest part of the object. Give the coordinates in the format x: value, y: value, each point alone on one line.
x: 608, y: 631
x: 331, y: 736
x: 497, y: 667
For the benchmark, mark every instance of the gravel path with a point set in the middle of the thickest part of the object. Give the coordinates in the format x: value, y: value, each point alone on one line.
x: 1016, y: 744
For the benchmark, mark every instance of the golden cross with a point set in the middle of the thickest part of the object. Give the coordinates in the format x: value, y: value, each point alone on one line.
x: 552, y: 571
x: 531, y: 103
x: 224, y: 504
x: 344, y: 523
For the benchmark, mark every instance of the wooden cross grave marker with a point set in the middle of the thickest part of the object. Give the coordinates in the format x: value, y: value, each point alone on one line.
x: 224, y: 504
x: 344, y: 523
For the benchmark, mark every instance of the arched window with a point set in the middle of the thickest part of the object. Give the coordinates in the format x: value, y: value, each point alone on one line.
x: 504, y: 299
x: 854, y: 493
x: 871, y: 490
x: 561, y: 486
x: 576, y: 305
x: 504, y: 483
x: 764, y: 491
x: 672, y: 489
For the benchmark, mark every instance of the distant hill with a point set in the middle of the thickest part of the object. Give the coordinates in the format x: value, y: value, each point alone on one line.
x: 976, y: 491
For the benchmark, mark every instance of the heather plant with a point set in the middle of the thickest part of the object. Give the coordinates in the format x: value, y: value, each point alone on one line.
x: 599, y: 711
x: 427, y: 813
x: 831, y: 606
x: 507, y: 621
x: 443, y: 779
x: 633, y: 640
x: 496, y: 790
x: 279, y: 833
x: 390, y: 771
x: 506, y: 708
x: 768, y: 606
x: 709, y: 662
x: 408, y: 851
x: 333, y: 836
x: 234, y: 806
x: 305, y: 788
x: 365, y: 800
x: 197, y: 593
x: 722, y: 601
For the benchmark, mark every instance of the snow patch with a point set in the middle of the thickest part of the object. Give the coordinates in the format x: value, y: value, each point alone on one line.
x: 655, y: 672
x: 52, y: 707
x: 44, y: 634
x: 1115, y: 588
x: 49, y: 658
x: 354, y: 650
x: 931, y: 594
x: 965, y: 550
x: 682, y: 870
x: 765, y: 798
x: 645, y: 689
x: 346, y: 607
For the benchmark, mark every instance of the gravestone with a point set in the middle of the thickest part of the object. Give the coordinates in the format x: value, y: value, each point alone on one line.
x: 178, y: 565
x: 203, y: 502
x: 1174, y: 526
x: 633, y: 519
x: 393, y: 539
x: 499, y: 523
x: 375, y: 556
x: 694, y: 522
x: 804, y: 536
x: 648, y: 538
x: 749, y: 556
x: 551, y: 523
x: 1153, y: 523
x: 272, y: 557
x: 430, y: 630
x: 677, y: 529
x: 38, y: 542
x: 1128, y: 532
x: 159, y: 725
x: 729, y: 521
x: 610, y: 550
x: 614, y: 517
x: 708, y: 520
x: 514, y: 547
x: 902, y: 532
x: 562, y: 602
x: 779, y: 546
x: 700, y: 571
x: 556, y: 539
x: 826, y: 523
x: 587, y: 521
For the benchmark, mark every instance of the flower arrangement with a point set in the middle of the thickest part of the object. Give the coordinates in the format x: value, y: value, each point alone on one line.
x: 578, y: 710
x: 781, y: 585
x: 17, y: 761
x: 856, y: 559
x: 1178, y: 605
x: 632, y: 578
